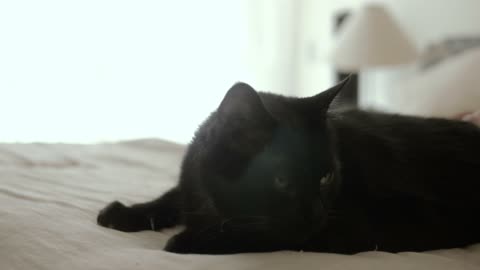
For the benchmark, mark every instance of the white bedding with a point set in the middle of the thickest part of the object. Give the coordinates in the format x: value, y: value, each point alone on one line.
x: 50, y: 195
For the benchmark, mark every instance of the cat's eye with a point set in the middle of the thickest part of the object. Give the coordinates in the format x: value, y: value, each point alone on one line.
x: 327, y: 179
x: 280, y: 182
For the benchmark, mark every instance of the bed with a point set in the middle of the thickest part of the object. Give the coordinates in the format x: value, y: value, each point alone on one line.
x: 50, y: 195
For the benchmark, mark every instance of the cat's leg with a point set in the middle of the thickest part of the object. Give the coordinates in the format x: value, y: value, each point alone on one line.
x: 193, y: 242
x: 158, y: 214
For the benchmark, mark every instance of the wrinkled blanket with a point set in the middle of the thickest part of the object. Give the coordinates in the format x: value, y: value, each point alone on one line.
x: 50, y: 195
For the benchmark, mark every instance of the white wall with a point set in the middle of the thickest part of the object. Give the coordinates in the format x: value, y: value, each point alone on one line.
x: 273, y: 29
x: 83, y: 71
x: 87, y: 71
x: 104, y: 70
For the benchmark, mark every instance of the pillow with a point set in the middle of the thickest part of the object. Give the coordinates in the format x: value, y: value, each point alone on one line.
x: 447, y: 90
x: 472, y: 117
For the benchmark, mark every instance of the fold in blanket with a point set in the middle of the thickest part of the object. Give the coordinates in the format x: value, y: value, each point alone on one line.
x: 48, y: 214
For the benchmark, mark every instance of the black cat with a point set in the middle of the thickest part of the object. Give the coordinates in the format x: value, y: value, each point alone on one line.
x: 266, y: 172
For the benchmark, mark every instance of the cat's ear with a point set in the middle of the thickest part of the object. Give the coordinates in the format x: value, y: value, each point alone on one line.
x: 330, y: 97
x: 242, y: 103
x: 245, y: 124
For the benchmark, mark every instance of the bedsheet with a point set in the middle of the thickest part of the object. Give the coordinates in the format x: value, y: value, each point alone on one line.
x: 50, y: 195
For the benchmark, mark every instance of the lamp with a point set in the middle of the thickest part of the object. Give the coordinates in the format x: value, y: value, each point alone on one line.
x: 370, y: 38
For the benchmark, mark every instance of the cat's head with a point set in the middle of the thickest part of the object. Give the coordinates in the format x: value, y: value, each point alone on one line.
x: 267, y: 163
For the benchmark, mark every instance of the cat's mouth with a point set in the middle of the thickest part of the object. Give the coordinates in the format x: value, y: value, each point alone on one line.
x: 327, y: 178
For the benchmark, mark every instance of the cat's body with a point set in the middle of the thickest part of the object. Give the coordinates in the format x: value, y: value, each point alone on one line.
x: 411, y: 184
x: 266, y: 172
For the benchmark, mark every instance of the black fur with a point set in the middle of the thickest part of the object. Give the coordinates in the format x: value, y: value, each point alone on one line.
x: 267, y: 172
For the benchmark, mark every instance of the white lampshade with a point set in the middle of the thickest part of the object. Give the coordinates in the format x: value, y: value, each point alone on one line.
x: 371, y: 38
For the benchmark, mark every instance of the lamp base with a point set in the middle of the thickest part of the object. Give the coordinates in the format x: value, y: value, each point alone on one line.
x: 349, y: 98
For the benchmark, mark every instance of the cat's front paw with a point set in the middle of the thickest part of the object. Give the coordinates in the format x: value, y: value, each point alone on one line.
x: 179, y: 243
x: 120, y: 217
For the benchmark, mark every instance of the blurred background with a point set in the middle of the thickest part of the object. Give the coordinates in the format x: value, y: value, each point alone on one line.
x: 103, y: 70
